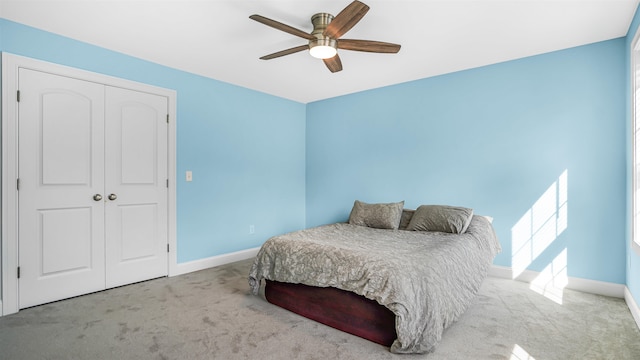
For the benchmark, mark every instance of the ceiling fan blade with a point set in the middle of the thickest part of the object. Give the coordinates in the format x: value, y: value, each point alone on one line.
x: 346, y: 19
x: 368, y: 46
x: 333, y: 64
x: 285, y: 52
x: 282, y: 27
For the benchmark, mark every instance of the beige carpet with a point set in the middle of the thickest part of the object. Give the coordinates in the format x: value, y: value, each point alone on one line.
x: 211, y: 315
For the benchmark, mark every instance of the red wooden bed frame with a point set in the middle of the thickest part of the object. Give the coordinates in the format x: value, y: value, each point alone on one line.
x: 340, y: 309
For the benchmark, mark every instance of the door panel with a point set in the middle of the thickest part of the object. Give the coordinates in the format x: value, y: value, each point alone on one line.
x: 66, y: 138
x: 139, y: 233
x: 136, y: 173
x: 61, y: 167
x: 139, y: 143
x: 61, y: 230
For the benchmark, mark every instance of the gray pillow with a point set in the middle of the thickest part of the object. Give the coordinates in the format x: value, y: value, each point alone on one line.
x: 381, y: 216
x: 443, y: 218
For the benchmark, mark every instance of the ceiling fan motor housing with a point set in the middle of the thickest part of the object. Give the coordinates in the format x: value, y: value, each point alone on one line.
x: 320, y: 22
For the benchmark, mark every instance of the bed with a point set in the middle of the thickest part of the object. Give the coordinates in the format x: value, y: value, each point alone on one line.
x: 397, y: 277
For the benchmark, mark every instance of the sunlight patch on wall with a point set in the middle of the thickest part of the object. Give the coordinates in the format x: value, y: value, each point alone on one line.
x: 540, y: 225
x: 519, y: 353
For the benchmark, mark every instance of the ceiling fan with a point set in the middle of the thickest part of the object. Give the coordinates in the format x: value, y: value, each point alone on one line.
x: 324, y: 40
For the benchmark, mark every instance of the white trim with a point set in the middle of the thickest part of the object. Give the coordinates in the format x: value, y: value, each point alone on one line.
x: 9, y: 196
x: 579, y: 284
x: 597, y: 287
x: 633, y: 306
x: 172, y: 231
x: 214, y: 261
x: 501, y: 272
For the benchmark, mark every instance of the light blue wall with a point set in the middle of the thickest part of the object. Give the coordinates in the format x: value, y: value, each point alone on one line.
x: 494, y: 139
x: 633, y: 259
x: 245, y: 148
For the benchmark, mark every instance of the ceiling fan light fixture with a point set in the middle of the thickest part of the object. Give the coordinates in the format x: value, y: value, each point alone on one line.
x: 323, y: 51
x: 323, y: 48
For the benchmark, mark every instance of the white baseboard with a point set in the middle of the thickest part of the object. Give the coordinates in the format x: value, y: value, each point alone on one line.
x: 633, y: 306
x: 201, y: 264
x: 579, y: 284
x: 501, y: 272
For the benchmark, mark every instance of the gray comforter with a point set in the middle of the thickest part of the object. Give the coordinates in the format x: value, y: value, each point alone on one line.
x: 427, y: 279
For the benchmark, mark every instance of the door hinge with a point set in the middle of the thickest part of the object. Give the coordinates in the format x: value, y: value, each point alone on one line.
x: 167, y: 247
x: 167, y: 118
x: 18, y: 95
x: 18, y: 184
x: 18, y: 272
x: 167, y: 183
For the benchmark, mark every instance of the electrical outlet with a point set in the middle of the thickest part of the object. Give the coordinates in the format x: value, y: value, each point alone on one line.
x: 252, y: 229
x: 189, y: 175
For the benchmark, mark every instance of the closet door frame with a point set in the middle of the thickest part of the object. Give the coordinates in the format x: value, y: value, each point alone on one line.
x: 9, y: 193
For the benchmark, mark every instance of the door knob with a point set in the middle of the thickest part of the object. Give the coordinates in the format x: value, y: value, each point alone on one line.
x: 112, y: 196
x: 97, y: 197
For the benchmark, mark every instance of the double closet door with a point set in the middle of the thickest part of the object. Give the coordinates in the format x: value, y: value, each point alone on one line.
x: 92, y: 165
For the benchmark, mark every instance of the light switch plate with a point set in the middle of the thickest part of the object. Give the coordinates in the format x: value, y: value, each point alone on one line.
x: 189, y: 175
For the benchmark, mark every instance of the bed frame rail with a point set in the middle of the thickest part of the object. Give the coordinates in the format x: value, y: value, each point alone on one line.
x: 337, y: 308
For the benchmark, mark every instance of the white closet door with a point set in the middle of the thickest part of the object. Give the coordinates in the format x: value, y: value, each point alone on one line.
x: 61, y: 168
x: 136, y: 186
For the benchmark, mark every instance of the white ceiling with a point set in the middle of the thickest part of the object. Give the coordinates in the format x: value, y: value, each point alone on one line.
x: 216, y: 38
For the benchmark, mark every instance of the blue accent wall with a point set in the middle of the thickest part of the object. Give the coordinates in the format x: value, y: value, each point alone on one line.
x: 536, y: 143
x: 245, y: 148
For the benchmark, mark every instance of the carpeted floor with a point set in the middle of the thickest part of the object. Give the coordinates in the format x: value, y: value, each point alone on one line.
x: 210, y: 314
